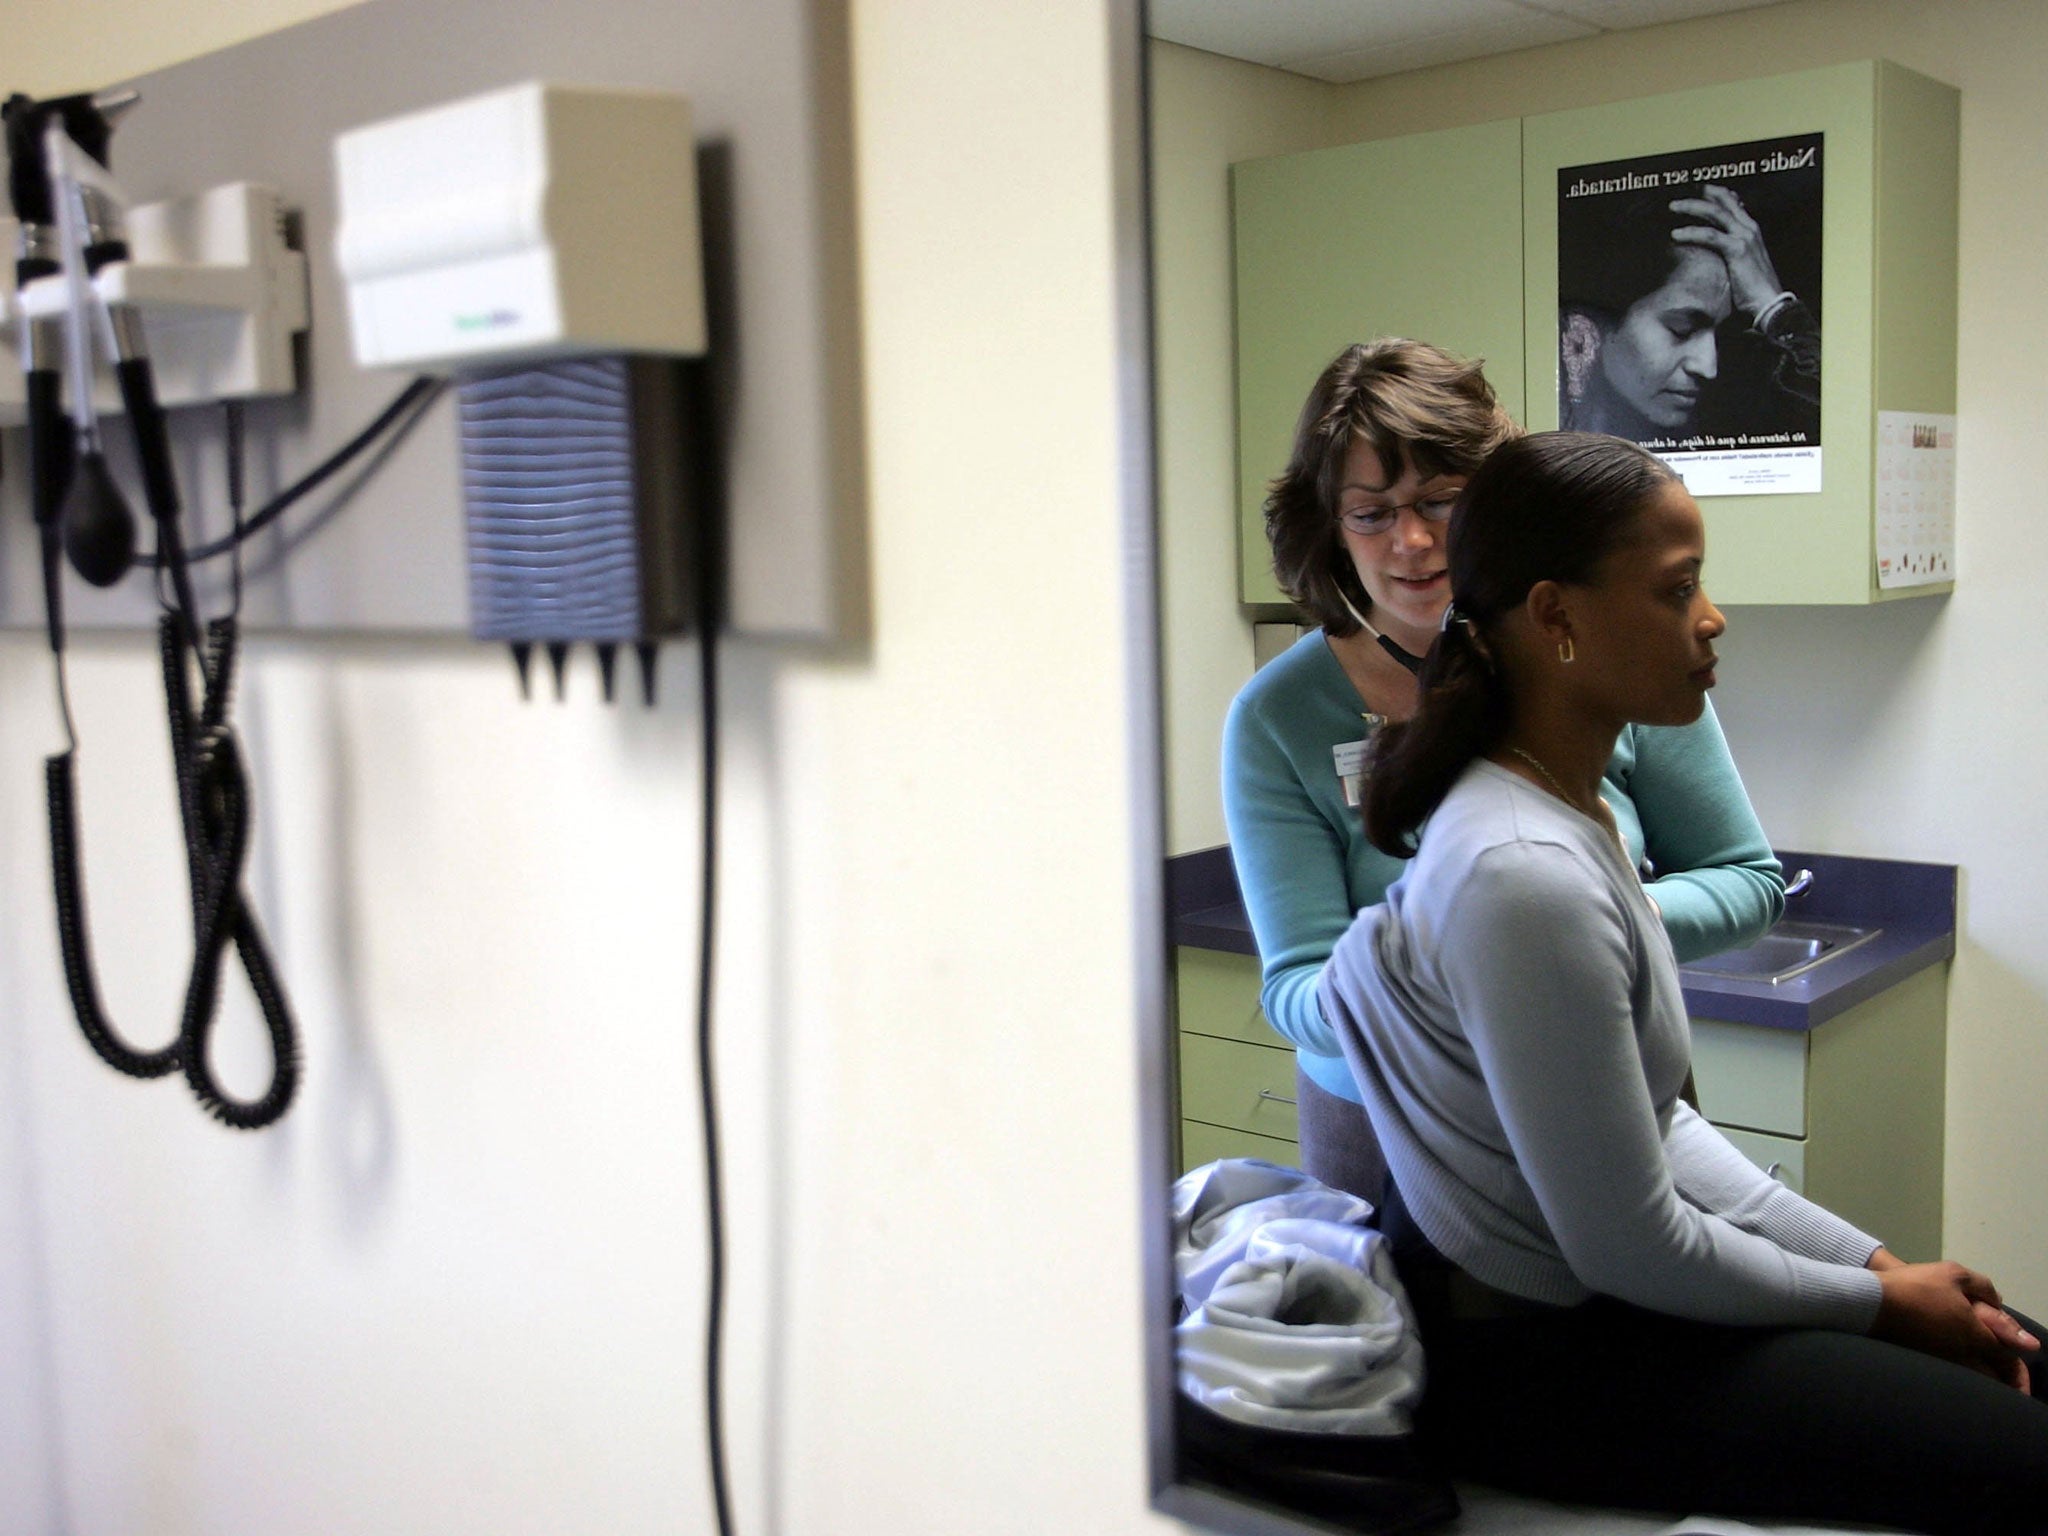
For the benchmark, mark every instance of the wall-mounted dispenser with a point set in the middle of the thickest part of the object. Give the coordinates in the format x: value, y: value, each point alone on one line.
x: 540, y: 244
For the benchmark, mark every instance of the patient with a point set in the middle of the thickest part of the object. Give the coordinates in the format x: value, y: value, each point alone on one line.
x: 1616, y: 1306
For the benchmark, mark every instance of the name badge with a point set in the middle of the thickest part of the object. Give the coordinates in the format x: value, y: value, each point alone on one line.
x: 1350, y: 760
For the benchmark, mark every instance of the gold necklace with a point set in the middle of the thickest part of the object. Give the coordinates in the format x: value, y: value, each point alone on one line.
x: 1605, y: 816
x: 1548, y: 777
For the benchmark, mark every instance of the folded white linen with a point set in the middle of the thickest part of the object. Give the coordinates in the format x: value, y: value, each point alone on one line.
x: 1218, y: 1206
x: 1296, y: 1319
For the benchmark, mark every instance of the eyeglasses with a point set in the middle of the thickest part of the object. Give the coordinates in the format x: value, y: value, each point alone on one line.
x: 1436, y: 507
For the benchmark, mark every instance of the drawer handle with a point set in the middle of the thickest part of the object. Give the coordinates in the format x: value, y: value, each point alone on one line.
x: 1774, y: 1170
x: 1267, y: 1095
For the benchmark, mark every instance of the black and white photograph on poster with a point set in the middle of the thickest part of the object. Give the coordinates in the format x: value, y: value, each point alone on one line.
x: 1688, y: 289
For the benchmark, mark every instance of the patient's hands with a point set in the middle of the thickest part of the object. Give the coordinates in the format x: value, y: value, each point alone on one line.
x: 2015, y: 1338
x: 1946, y: 1310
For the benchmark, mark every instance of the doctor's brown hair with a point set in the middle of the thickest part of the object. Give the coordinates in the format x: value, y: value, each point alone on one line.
x: 1405, y: 398
x: 1547, y: 507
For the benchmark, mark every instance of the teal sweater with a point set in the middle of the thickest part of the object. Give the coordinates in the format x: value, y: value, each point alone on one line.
x: 1305, y: 867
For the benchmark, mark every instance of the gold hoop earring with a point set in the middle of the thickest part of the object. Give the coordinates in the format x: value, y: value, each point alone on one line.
x: 1566, y: 652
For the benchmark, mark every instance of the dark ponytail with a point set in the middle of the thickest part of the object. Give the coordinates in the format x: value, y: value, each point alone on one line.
x: 1462, y: 715
x: 1548, y: 507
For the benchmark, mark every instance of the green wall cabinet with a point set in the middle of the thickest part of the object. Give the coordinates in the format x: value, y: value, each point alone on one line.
x: 1452, y: 237
x: 1417, y: 236
x: 1236, y: 1073
x: 1888, y: 305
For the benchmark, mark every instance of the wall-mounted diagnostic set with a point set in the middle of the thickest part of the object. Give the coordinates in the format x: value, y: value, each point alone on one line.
x: 537, y: 245
x: 91, y: 309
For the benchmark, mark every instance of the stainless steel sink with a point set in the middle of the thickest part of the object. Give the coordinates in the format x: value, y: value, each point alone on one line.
x: 1792, y: 948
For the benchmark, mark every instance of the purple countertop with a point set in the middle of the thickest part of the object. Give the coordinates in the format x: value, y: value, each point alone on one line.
x: 1913, y: 906
x: 1203, y: 907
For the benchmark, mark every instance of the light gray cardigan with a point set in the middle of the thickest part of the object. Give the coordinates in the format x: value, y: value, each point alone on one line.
x: 1512, y: 1014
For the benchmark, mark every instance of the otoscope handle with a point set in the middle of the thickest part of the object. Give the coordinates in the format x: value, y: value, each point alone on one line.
x: 49, y: 443
x: 51, y: 452
x: 152, y: 438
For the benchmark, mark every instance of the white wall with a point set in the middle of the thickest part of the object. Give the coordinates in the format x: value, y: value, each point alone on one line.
x: 1913, y: 730
x: 459, y: 1288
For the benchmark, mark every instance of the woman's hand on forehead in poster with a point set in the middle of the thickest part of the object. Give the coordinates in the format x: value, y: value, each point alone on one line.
x: 1717, y: 220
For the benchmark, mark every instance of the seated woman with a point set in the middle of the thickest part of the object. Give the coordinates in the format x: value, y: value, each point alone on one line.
x: 1616, y: 1306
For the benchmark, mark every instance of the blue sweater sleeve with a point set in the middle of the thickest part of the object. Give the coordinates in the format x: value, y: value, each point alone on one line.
x: 1718, y: 883
x: 1715, y: 1177
x: 1538, y: 966
x: 1290, y: 869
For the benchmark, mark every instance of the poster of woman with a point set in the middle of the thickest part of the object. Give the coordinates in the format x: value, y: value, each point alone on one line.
x: 1689, y: 294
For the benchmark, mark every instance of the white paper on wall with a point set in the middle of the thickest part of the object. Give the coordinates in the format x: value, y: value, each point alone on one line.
x: 1916, y: 498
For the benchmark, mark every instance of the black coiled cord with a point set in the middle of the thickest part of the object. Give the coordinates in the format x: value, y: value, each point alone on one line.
x: 213, y: 806
x: 60, y: 782
x: 206, y: 756
x: 212, y: 782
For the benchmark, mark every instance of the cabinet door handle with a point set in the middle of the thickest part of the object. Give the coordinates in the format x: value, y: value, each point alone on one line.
x: 1773, y: 1171
x: 1267, y: 1095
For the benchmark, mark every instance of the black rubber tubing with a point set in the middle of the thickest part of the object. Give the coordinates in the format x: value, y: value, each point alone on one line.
x: 213, y: 807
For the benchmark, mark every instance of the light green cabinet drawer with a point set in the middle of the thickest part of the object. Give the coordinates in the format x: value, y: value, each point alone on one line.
x: 1203, y: 1143
x: 1236, y: 1074
x: 1780, y: 1156
x: 1218, y: 994
x: 1750, y: 1077
x: 1244, y: 1087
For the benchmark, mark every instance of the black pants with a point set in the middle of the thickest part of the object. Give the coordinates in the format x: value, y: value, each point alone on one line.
x: 1606, y: 1403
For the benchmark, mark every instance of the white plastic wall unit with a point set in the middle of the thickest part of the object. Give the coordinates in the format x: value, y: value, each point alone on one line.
x: 524, y: 223
x: 219, y: 290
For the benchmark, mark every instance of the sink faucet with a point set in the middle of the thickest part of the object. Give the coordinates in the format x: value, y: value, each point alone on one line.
x: 1799, y: 884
